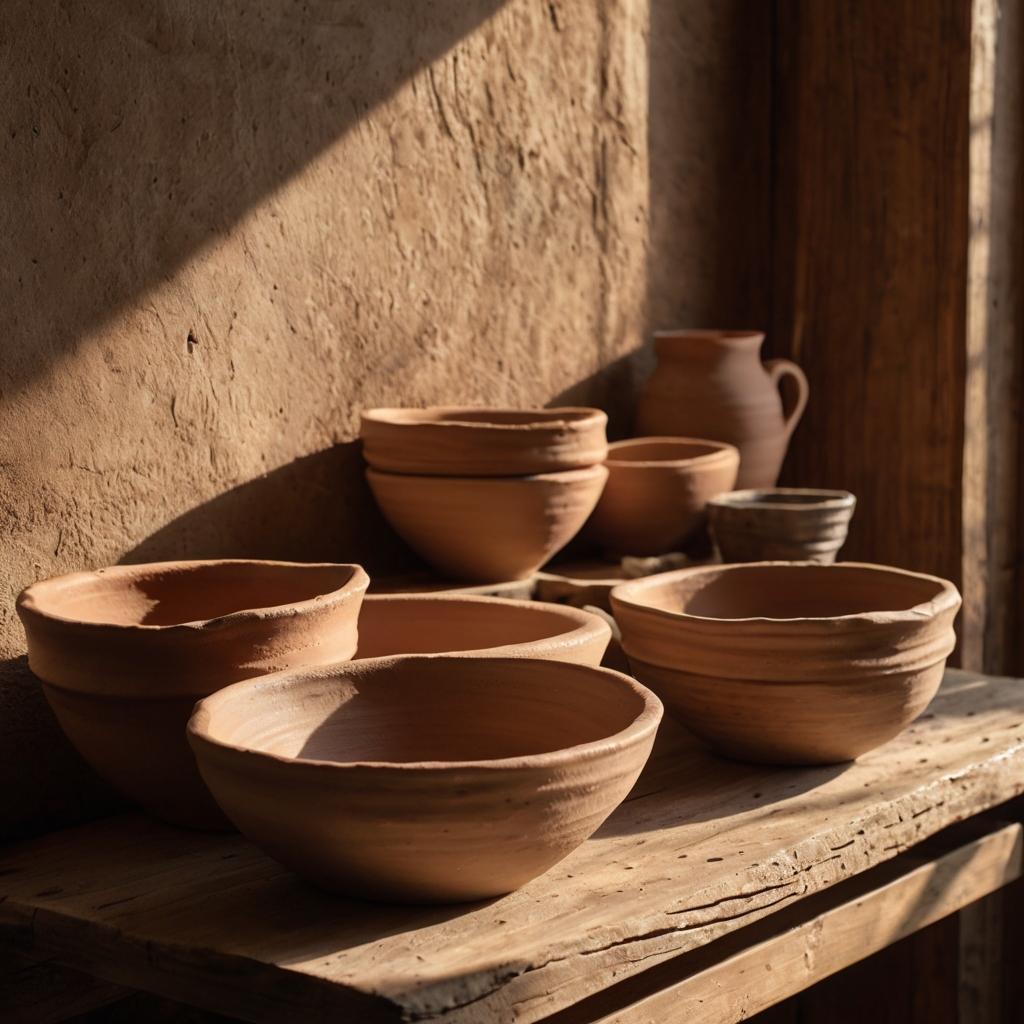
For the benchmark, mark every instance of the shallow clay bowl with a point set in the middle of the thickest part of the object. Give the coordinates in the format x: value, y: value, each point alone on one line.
x: 657, y: 491
x: 425, y: 779
x: 452, y: 441
x: 790, y: 663
x: 480, y: 626
x: 488, y: 529
x: 124, y: 653
x: 781, y: 523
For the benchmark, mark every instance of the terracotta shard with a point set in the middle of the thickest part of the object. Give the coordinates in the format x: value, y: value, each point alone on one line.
x: 713, y: 384
x: 488, y: 529
x: 425, y: 779
x: 781, y: 524
x: 479, y: 627
x: 657, y: 490
x: 124, y: 653
x: 790, y: 663
x: 454, y: 441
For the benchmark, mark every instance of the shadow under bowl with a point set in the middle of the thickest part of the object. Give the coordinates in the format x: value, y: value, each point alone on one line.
x: 781, y: 524
x: 124, y: 653
x: 488, y: 529
x: 425, y: 779
x: 790, y: 663
x: 457, y: 441
x: 479, y: 627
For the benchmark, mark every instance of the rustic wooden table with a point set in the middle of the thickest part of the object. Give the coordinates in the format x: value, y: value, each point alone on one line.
x: 715, y: 890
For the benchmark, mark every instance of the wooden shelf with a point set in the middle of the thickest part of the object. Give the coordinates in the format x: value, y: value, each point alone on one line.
x: 701, y: 849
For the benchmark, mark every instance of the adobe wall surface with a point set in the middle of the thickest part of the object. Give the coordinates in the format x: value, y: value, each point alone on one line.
x: 230, y: 228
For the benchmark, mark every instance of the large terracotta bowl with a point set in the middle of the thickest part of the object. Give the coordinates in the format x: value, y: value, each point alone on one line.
x: 488, y: 529
x: 425, y: 779
x: 479, y: 626
x: 790, y: 663
x: 795, y: 524
x: 124, y: 653
x: 657, y: 490
x: 454, y: 441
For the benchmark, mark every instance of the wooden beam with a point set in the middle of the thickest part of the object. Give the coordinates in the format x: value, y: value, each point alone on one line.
x: 798, y: 947
x: 870, y: 227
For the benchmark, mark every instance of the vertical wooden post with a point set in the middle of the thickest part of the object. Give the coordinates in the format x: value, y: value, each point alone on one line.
x: 870, y: 262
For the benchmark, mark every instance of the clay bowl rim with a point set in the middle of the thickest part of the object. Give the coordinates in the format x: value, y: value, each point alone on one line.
x: 576, y: 416
x: 948, y: 597
x: 555, y: 476
x: 586, y: 627
x: 735, y: 335
x: 738, y: 501
x: 646, y: 721
x: 720, y: 451
x: 357, y: 582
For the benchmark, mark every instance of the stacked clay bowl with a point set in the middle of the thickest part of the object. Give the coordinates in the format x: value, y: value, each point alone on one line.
x: 485, y: 495
x: 124, y: 653
x: 657, y: 492
x: 790, y: 663
x: 781, y: 524
x: 425, y: 779
x: 479, y: 626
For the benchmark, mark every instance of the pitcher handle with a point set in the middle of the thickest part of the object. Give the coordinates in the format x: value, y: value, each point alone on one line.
x: 779, y: 368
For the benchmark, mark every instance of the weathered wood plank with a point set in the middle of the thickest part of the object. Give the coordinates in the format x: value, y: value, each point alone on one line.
x: 832, y: 930
x: 701, y: 848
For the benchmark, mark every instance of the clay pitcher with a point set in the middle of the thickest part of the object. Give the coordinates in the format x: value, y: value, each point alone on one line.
x: 712, y: 384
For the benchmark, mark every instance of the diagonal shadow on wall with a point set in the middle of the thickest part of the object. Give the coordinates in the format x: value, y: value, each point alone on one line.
x: 135, y: 133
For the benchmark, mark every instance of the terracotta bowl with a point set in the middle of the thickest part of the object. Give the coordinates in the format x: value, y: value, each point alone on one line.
x: 488, y: 529
x: 657, y: 491
x: 480, y: 626
x: 425, y: 779
x: 124, y: 653
x: 790, y: 663
x: 781, y: 524
x: 452, y: 441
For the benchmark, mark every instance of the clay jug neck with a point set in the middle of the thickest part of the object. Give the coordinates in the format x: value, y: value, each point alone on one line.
x: 708, y: 347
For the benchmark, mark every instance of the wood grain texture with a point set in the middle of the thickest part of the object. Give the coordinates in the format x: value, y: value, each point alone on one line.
x: 871, y: 132
x: 791, y: 950
x: 700, y: 848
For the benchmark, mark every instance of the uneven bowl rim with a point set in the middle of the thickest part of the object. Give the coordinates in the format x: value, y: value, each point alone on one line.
x: 947, y: 599
x: 737, y: 500
x: 576, y: 416
x: 579, y: 474
x: 645, y: 723
x: 720, y: 452
x: 584, y: 622
x: 727, y: 334
x: 357, y: 582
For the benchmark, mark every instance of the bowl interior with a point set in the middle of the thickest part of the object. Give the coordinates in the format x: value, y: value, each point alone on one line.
x: 166, y: 595
x: 661, y: 450
x: 790, y: 592
x: 419, y: 709
x: 436, y: 625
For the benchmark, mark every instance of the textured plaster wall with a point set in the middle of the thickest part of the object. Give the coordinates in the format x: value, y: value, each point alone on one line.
x: 229, y: 227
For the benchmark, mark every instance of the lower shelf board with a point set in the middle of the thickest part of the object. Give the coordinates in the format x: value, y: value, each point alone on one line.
x: 758, y: 966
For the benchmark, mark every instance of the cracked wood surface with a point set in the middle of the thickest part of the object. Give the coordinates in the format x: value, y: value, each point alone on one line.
x: 701, y: 847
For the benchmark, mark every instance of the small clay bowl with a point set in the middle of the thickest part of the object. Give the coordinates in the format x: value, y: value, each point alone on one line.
x: 124, y: 653
x: 424, y: 779
x: 453, y: 441
x: 488, y: 529
x: 657, y: 491
x: 794, y: 524
x: 790, y: 663
x: 479, y: 627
